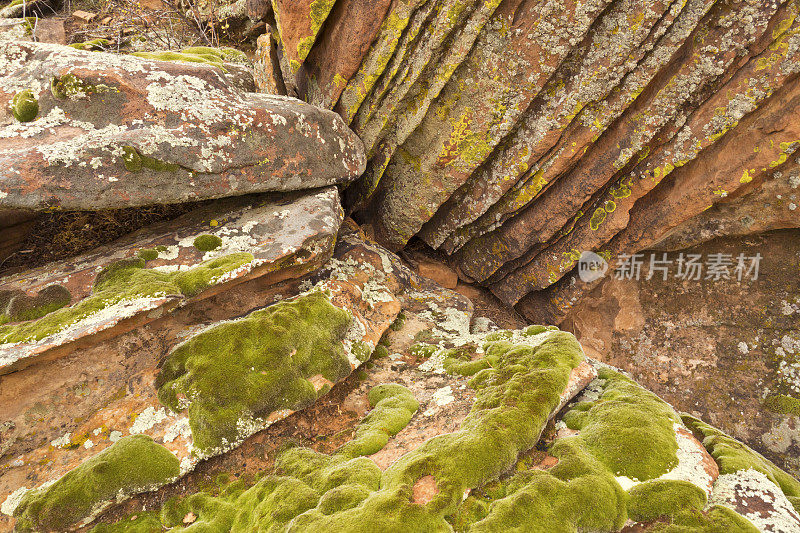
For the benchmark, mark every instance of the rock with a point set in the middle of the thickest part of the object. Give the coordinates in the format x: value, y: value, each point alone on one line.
x: 111, y: 126
x: 50, y: 30
x: 350, y: 322
x: 714, y: 348
x: 168, y: 265
x: 266, y: 68
x: 15, y: 225
x: 84, y: 16
x: 351, y: 27
x: 258, y: 9
x: 452, y: 412
x: 513, y: 135
x: 298, y: 24
x: 438, y: 272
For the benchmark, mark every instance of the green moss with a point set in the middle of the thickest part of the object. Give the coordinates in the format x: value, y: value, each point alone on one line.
x: 461, y: 361
x: 664, y: 497
x: 732, y: 456
x: 305, y: 486
x: 125, y: 280
x: 503, y: 334
x: 92, y: 45
x: 198, y: 54
x: 628, y: 429
x: 513, y: 402
x: 392, y: 409
x: 207, y: 242
x: 148, y: 254
x: 347, y: 492
x: 194, y: 281
x: 142, y: 522
x: 21, y: 307
x: 380, y: 352
x: 130, y: 465
x: 399, y: 322
x: 70, y: 86
x: 717, y: 519
x: 421, y: 349
x: 783, y: 404
x: 225, y: 53
x: 24, y: 106
x: 530, y: 331
x: 361, y: 350
x: 237, y: 372
x: 135, y: 162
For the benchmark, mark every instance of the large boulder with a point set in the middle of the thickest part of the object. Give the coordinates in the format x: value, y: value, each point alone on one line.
x: 90, y: 130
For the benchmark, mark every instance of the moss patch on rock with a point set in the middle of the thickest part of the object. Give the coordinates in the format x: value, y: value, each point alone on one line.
x: 664, y: 497
x: 92, y: 45
x: 717, y: 519
x: 24, y: 106
x: 130, y: 465
x: 134, y: 161
x: 198, y: 54
x: 148, y: 254
x: 783, y: 404
x: 234, y: 374
x: 629, y: 429
x: 207, y: 242
x: 305, y: 484
x: 625, y: 431
x: 125, y: 280
x: 16, y: 306
x: 513, y: 402
x: 70, y: 86
x: 732, y: 456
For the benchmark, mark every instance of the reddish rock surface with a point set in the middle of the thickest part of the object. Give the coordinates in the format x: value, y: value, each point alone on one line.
x: 516, y: 134
x: 713, y: 348
x: 121, y: 131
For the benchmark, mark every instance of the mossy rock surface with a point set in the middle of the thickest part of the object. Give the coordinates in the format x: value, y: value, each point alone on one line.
x: 125, y: 280
x: 304, y: 485
x: 237, y: 372
x: 130, y: 465
x: 206, y: 55
x: 733, y: 456
x: 18, y: 306
x: 629, y: 429
x: 660, y: 498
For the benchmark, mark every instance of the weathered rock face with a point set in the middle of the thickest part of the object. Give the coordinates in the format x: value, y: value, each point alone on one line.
x: 138, y: 279
x: 89, y: 130
x: 442, y: 407
x: 515, y: 134
x: 725, y: 350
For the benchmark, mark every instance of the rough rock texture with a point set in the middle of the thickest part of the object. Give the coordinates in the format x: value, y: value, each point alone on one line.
x: 438, y: 429
x: 515, y: 134
x: 256, y: 237
x: 715, y: 348
x: 113, y: 131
